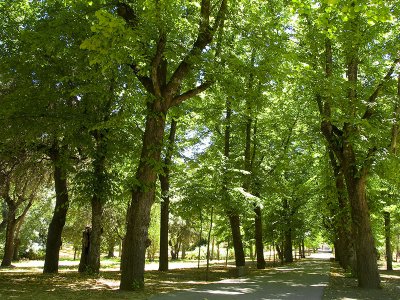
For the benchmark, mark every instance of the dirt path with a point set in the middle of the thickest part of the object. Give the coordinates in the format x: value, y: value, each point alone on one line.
x: 303, y: 280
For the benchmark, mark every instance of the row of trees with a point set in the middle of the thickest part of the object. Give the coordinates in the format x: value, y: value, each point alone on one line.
x: 256, y: 115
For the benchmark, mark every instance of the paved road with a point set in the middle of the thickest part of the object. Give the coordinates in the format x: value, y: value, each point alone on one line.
x: 303, y: 280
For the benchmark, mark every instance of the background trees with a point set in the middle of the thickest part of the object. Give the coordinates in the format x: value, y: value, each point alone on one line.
x: 291, y: 129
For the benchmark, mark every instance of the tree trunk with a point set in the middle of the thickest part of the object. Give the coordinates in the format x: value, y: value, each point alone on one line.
x: 234, y: 219
x: 83, y: 263
x: 9, y: 242
x: 389, y: 254
x: 138, y: 214
x: 56, y: 226
x: 237, y: 240
x: 343, y: 239
x: 258, y: 237
x: 366, y: 255
x: 288, y: 249
x: 110, y: 250
x: 288, y: 243
x: 200, y: 234
x: 98, y: 200
x: 93, y: 261
x: 208, y: 243
x: 164, y: 215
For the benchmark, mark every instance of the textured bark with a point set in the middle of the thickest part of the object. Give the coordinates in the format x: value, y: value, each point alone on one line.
x: 9, y: 242
x: 138, y: 215
x: 389, y: 253
x: 164, y: 215
x: 53, y: 242
x: 344, y: 247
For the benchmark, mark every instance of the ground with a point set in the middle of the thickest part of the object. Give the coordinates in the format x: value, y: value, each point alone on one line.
x: 300, y: 280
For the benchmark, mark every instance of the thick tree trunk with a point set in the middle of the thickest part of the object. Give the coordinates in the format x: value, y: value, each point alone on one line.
x: 10, y: 239
x: 366, y: 255
x: 389, y: 254
x: 138, y: 214
x: 343, y: 240
x: 164, y: 215
x: 53, y: 242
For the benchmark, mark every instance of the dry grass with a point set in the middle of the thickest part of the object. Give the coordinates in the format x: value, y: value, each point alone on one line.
x: 25, y: 284
x: 343, y: 286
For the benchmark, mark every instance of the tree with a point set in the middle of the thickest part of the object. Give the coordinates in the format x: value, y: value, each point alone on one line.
x: 163, y: 80
x: 349, y: 126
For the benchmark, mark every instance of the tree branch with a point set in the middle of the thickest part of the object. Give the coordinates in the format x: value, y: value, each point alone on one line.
x: 146, y: 81
x: 155, y: 64
x: 204, y: 37
x: 191, y: 93
x: 369, y: 112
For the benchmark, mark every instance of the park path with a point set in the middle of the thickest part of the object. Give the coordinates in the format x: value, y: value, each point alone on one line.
x: 303, y: 280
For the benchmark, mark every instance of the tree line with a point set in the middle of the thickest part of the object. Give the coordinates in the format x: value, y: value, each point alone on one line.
x: 269, y: 122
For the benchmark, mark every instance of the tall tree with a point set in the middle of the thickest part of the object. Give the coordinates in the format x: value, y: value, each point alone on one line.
x: 344, y: 124
x: 163, y: 75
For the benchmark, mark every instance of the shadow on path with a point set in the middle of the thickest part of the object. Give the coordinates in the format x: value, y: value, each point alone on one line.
x: 302, y: 280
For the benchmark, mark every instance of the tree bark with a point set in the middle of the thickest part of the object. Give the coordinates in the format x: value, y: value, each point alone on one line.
x: 138, y: 214
x: 56, y: 226
x: 164, y: 215
x: 389, y: 253
x: 234, y: 219
x: 97, y: 202
x: 343, y: 235
x: 258, y: 237
x: 9, y: 242
x: 110, y: 250
x: 367, y: 268
x: 288, y: 242
x: 83, y: 263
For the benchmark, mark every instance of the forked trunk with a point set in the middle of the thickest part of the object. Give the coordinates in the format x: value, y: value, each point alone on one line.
x: 53, y: 243
x: 138, y: 214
